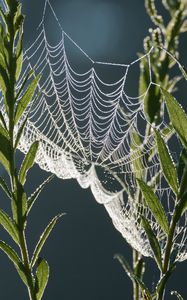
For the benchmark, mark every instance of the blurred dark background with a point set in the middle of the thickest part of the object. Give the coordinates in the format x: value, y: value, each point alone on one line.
x: 80, y: 250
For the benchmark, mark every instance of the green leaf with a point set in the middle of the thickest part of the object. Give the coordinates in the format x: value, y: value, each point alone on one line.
x: 12, y: 255
x: 42, y: 276
x: 154, y: 205
x: 28, y: 162
x: 5, y: 188
x: 144, y: 80
x: 27, y: 77
x: 167, y: 163
x: 26, y: 98
x: 152, y: 103
x: 182, y: 163
x: 35, y: 195
x: 132, y: 276
x: 20, y: 132
x: 153, y: 241
x: 183, y: 71
x: 177, y: 116
x: 137, y: 163
x: 4, y: 148
x: 4, y: 80
x: 181, y: 206
x: 43, y: 239
x: 9, y: 225
x: 175, y: 293
x: 182, y: 172
x: 3, y: 120
x: 19, y: 56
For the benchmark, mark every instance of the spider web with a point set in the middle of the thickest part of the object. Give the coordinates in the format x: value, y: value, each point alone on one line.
x: 87, y: 129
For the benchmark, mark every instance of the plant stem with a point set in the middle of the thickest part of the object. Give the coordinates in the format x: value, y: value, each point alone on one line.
x: 13, y: 175
x: 136, y: 290
x: 166, y: 262
x: 25, y: 258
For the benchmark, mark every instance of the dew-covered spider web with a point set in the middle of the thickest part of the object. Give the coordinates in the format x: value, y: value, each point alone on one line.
x: 87, y: 121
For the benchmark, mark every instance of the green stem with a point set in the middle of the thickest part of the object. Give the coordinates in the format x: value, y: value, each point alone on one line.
x: 25, y: 258
x: 167, y: 255
x: 14, y: 183
x: 136, y: 291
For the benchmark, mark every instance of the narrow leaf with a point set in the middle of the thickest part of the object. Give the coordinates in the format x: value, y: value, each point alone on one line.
x: 154, y: 205
x: 4, y: 148
x: 183, y: 71
x: 177, y: 116
x: 12, y: 255
x: 19, y: 56
x: 42, y: 276
x: 5, y: 188
x: 153, y: 241
x: 9, y: 225
x: 182, y: 173
x: 132, y: 276
x: 167, y: 163
x: 43, y: 239
x: 3, y: 120
x: 35, y: 195
x: 152, y: 104
x: 137, y: 163
x: 26, y: 98
x: 28, y: 162
x: 20, y: 132
x: 175, y: 293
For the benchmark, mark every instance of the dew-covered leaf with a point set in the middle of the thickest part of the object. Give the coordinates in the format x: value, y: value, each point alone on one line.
x: 152, y: 104
x: 182, y: 172
x: 41, y: 278
x: 4, y: 148
x: 153, y: 241
x: 167, y: 163
x: 137, y: 163
x: 26, y: 98
x: 43, y: 239
x: 132, y: 276
x: 178, y: 296
x: 28, y: 162
x: 183, y: 71
x: 5, y: 188
x: 35, y: 195
x: 154, y: 205
x: 13, y: 256
x: 9, y: 225
x: 20, y: 132
x: 177, y: 116
x: 19, y: 56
